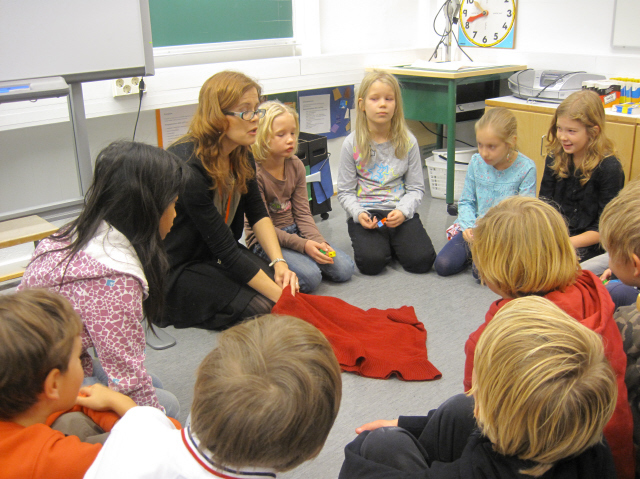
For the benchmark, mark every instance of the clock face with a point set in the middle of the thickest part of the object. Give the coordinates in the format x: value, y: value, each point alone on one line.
x: 487, y: 23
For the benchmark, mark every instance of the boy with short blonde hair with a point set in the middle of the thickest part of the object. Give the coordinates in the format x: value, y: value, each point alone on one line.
x: 40, y: 377
x: 264, y: 402
x: 620, y: 237
x: 542, y: 392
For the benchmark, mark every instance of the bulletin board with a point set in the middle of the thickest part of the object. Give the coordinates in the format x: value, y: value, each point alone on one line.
x: 327, y: 111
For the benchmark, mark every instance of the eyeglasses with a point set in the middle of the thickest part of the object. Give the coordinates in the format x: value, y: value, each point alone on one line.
x: 247, y: 115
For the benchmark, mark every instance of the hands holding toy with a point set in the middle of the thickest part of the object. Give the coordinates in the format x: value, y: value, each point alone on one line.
x: 394, y: 219
x: 321, y: 253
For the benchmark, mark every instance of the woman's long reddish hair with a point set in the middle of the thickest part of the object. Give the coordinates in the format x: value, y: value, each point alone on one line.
x: 208, y: 128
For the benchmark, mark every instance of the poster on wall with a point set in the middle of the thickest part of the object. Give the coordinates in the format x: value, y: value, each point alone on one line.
x: 326, y: 111
x: 172, y: 123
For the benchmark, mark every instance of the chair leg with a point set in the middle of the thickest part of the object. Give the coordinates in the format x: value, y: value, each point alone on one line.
x: 160, y: 340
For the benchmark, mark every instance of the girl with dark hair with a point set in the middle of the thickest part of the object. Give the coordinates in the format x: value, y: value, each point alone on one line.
x: 110, y: 263
x: 214, y: 280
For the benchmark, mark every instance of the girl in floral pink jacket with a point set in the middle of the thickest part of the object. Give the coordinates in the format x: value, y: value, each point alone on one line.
x: 110, y: 264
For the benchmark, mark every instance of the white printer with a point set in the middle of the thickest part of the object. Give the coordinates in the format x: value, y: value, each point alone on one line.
x: 548, y: 85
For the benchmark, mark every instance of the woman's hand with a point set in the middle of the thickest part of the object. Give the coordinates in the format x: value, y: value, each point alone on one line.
x: 312, y: 248
x: 366, y: 221
x: 284, y: 277
x: 468, y: 235
x: 370, y: 426
x: 395, y: 219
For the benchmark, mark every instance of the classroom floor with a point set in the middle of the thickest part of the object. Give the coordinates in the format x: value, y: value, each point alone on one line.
x: 450, y: 308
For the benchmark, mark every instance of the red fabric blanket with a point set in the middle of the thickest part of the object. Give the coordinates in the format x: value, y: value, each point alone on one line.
x: 374, y: 343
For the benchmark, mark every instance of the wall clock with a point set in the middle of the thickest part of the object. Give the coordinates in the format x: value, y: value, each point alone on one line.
x: 487, y: 23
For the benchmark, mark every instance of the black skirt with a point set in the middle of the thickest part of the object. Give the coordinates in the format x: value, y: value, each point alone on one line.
x: 204, y: 295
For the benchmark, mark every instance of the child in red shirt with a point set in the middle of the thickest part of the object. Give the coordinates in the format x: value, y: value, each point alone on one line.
x: 521, y: 247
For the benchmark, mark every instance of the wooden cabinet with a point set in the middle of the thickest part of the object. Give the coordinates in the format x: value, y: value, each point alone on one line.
x: 635, y: 159
x: 533, y: 125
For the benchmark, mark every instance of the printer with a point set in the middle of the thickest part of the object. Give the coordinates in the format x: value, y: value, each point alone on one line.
x: 548, y: 85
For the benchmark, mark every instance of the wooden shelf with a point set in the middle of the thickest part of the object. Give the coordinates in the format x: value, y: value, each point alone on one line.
x: 24, y: 230
x: 534, y: 120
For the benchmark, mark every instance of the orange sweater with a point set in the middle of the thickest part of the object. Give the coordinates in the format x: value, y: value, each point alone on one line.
x: 38, y: 451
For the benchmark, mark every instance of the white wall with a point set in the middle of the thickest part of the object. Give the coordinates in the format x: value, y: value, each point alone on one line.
x: 370, y: 25
x: 566, y: 35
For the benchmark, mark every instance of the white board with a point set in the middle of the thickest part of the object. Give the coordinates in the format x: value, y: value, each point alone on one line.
x: 626, y: 32
x: 80, y: 40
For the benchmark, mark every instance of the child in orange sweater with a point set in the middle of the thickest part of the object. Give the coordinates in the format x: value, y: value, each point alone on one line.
x: 521, y: 247
x: 40, y: 377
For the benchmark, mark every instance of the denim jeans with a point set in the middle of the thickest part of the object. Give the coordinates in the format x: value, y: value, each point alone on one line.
x: 166, y: 399
x: 308, y: 271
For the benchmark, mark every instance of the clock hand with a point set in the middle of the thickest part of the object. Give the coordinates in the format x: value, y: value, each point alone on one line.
x: 475, y: 17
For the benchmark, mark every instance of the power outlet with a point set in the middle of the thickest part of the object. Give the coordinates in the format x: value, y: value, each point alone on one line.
x: 126, y: 86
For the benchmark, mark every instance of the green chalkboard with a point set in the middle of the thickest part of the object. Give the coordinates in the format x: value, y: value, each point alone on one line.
x: 190, y: 22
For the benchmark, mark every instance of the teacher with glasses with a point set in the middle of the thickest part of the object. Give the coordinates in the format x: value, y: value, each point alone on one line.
x: 214, y: 281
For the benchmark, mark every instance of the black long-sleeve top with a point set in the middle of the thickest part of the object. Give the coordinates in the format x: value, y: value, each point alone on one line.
x: 582, y: 205
x: 199, y: 232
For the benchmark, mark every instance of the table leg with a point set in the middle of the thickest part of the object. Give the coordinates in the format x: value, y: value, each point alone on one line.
x: 451, y: 141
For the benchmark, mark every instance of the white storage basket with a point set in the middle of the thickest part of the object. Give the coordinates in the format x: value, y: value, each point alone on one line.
x: 437, y: 170
x: 463, y: 155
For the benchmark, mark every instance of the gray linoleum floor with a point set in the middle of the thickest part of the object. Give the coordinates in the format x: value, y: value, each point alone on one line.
x: 450, y: 308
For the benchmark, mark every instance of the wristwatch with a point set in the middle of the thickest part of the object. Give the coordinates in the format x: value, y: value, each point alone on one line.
x: 277, y: 260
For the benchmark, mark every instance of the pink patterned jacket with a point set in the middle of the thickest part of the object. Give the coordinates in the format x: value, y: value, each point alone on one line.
x: 106, y: 285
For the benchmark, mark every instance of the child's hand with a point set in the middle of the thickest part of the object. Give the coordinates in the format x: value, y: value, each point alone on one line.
x: 468, y: 235
x: 312, y: 248
x: 101, y: 398
x: 395, y: 219
x: 367, y: 222
x: 370, y: 426
x: 606, y: 275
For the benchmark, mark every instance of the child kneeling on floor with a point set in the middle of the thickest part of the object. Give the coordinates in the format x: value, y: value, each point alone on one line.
x: 264, y: 401
x: 542, y: 392
x: 40, y: 377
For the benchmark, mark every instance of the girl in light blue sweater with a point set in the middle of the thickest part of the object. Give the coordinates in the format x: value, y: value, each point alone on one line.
x: 497, y: 172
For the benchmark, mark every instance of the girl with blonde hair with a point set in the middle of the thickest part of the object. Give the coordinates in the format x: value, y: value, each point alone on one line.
x: 381, y: 184
x: 214, y: 280
x: 521, y: 248
x: 282, y: 180
x: 582, y: 173
x: 496, y: 172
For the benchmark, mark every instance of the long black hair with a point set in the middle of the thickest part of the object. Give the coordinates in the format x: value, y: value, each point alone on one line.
x: 133, y: 184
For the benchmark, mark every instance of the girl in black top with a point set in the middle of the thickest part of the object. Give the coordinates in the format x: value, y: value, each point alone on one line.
x: 214, y: 280
x: 582, y: 173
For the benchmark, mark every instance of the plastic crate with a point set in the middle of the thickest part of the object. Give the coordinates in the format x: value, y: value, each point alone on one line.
x: 437, y: 170
x: 463, y: 155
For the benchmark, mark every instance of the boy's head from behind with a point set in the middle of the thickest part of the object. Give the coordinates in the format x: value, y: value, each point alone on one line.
x: 543, y: 387
x: 521, y: 247
x: 38, y: 331
x: 268, y: 395
x: 620, y: 233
